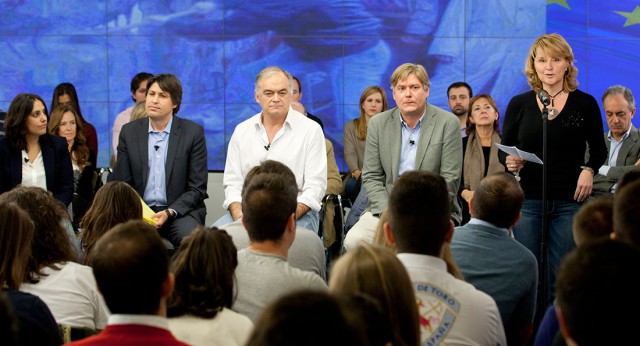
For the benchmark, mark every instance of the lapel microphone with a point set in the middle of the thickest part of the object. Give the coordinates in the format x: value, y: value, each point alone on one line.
x: 156, y: 147
x: 412, y: 142
x: 266, y: 147
x: 26, y: 160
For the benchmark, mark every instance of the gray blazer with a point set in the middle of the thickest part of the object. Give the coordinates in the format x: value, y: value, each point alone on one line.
x: 186, y: 169
x: 627, y: 156
x: 439, y: 151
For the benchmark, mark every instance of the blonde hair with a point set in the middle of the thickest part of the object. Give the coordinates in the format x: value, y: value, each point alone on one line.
x: 403, y: 71
x: 376, y: 271
x: 555, y: 45
x: 139, y: 111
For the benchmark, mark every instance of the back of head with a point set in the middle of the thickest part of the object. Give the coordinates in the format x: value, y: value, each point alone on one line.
x: 630, y: 176
x: 593, y: 221
x: 376, y: 271
x: 366, y: 316
x: 294, y: 319
x: 51, y: 243
x: 498, y: 200
x: 204, y: 268
x: 139, y: 111
x: 130, y: 264
x: 16, y: 234
x: 587, y: 275
x: 626, y: 215
x: 171, y: 85
x: 15, y: 123
x: 115, y: 202
x: 419, y: 212
x: 269, y: 197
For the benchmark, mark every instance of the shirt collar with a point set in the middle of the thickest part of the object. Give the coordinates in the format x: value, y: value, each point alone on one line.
x: 475, y: 221
x: 418, y: 125
x: 626, y: 134
x: 167, y: 129
x: 147, y: 320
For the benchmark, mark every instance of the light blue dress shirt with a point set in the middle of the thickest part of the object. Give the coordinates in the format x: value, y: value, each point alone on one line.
x: 410, y: 138
x: 155, y: 193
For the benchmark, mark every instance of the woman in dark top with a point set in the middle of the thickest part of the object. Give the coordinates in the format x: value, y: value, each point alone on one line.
x: 65, y: 122
x: 65, y: 94
x: 480, y: 151
x: 29, y: 156
x: 574, y: 125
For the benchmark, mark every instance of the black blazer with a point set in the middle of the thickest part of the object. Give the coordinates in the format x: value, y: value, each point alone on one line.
x: 57, y: 166
x: 186, y: 169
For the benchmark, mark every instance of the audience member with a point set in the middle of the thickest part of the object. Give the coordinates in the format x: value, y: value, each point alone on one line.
x: 479, y: 148
x: 131, y: 268
x: 306, y: 252
x: 495, y: 263
x: 629, y: 177
x: 8, y: 322
x: 372, y: 101
x: 306, y: 317
x: 65, y: 95
x: 29, y: 156
x: 138, y: 95
x: 380, y: 240
x: 584, y: 275
x: 199, y: 307
x: 621, y: 140
x: 263, y: 274
x: 376, y: 271
x: 164, y: 158
x: 367, y: 317
x: 139, y: 111
x: 64, y: 122
x: 626, y: 218
x: 116, y: 202
x: 397, y: 142
x: 282, y: 134
x: 451, y: 311
x: 296, y: 95
x: 458, y: 95
x: 68, y: 288
x: 35, y: 324
x: 593, y: 222
x: 574, y: 127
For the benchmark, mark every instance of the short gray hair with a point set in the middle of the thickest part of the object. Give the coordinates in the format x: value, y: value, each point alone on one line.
x: 621, y: 90
x: 268, y: 71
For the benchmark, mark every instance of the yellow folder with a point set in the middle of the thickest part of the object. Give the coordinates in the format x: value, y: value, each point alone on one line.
x: 147, y: 213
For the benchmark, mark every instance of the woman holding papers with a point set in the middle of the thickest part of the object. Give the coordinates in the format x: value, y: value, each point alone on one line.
x: 574, y: 124
x: 479, y: 147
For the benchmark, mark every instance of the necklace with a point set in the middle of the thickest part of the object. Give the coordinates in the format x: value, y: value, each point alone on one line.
x: 554, y: 96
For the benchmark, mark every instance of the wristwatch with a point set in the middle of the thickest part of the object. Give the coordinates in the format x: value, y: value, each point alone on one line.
x: 169, y: 216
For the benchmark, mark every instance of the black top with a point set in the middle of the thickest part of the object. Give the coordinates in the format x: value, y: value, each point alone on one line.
x: 35, y: 321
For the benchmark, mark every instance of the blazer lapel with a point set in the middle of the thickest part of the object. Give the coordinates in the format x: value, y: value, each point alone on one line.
x: 395, y: 131
x: 48, y: 159
x: 174, y: 143
x: 626, y: 147
x: 426, y: 133
x: 143, y: 150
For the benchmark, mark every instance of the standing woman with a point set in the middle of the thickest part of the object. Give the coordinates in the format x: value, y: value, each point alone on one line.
x: 65, y: 122
x: 29, y: 155
x: 479, y: 150
x: 574, y: 122
x: 65, y: 94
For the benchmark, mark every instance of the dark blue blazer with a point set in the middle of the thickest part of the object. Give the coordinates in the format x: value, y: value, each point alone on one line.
x: 57, y: 166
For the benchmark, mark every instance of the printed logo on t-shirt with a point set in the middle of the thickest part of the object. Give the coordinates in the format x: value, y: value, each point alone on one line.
x: 437, y: 312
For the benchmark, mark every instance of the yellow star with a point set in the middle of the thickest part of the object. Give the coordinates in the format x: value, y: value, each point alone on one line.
x: 562, y: 3
x: 632, y: 17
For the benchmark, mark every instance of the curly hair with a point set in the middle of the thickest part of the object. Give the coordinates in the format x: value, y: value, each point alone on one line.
x: 51, y: 243
x: 204, y: 268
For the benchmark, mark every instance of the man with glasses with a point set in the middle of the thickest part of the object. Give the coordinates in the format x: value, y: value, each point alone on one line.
x: 281, y: 134
x: 413, y: 135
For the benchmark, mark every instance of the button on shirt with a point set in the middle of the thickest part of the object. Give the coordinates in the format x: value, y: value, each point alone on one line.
x: 33, y: 173
x: 410, y: 137
x: 614, y: 150
x: 155, y: 193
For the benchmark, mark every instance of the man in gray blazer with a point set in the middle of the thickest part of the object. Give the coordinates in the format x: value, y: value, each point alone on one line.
x: 164, y: 158
x: 413, y: 136
x: 621, y: 140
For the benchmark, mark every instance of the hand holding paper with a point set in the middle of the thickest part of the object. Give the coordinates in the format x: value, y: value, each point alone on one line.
x: 527, y: 156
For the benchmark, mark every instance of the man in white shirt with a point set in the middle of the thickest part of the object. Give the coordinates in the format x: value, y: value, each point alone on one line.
x: 621, y: 140
x: 451, y: 311
x: 282, y: 134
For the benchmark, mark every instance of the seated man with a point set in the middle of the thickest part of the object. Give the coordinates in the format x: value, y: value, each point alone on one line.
x: 263, y: 274
x: 622, y: 140
x: 282, y: 134
x: 164, y: 158
x: 414, y: 135
x: 306, y: 252
x: 131, y: 266
x: 451, y: 311
x: 495, y: 263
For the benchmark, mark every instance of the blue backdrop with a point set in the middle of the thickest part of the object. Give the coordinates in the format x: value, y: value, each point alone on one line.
x: 336, y: 47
